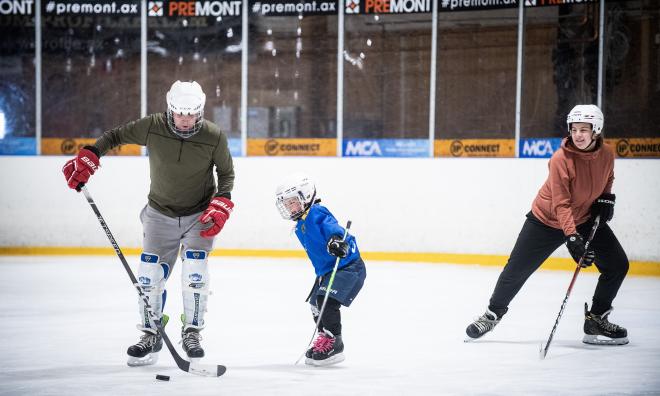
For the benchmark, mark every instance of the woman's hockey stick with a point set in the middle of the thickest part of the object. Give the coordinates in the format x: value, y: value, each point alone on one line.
x: 594, y: 228
x: 327, y: 293
x: 206, y: 370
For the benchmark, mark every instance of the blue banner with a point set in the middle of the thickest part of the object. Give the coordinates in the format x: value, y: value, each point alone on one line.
x: 235, y: 147
x: 18, y: 146
x: 538, y: 147
x: 385, y: 148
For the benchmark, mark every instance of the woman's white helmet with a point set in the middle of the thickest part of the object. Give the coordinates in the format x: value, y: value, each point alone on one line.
x: 295, y: 195
x: 185, y: 98
x: 590, y: 114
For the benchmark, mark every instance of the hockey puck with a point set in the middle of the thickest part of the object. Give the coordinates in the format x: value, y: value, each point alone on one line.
x: 162, y: 377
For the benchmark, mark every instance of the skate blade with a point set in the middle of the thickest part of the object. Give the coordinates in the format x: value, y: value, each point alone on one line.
x: 603, y: 340
x: 148, y: 360
x: 309, y: 361
x: 329, y: 361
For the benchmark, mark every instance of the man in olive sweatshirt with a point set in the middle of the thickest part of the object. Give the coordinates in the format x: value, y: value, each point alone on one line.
x: 185, y: 210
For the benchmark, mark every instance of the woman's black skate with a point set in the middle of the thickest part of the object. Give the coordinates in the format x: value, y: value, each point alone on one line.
x: 190, y: 340
x: 328, y: 349
x: 482, y: 325
x: 145, y: 352
x: 599, y: 331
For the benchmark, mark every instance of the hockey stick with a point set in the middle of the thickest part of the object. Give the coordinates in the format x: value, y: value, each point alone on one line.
x: 327, y: 293
x: 594, y: 228
x: 205, y: 370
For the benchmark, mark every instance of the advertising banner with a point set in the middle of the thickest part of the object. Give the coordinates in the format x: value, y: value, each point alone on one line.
x: 70, y: 146
x: 385, y: 148
x: 235, y: 147
x: 10, y: 145
x: 114, y: 7
x: 474, y: 148
x: 208, y: 8
x: 538, y: 147
x: 292, y: 147
x: 292, y: 8
x: 636, y: 147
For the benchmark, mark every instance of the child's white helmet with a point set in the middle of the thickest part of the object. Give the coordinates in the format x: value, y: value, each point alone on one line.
x: 590, y: 114
x: 295, y: 195
x: 185, y: 98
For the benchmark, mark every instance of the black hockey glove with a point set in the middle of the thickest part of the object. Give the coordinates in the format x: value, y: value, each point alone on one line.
x: 337, y: 247
x: 576, y: 248
x: 603, y: 206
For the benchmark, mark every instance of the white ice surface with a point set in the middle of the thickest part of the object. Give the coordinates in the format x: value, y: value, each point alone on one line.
x: 66, y: 323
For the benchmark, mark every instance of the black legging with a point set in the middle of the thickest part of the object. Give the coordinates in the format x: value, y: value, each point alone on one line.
x: 331, y: 319
x: 536, y: 242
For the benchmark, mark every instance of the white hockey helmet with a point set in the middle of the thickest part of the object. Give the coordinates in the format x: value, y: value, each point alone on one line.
x: 185, y: 98
x: 590, y: 114
x: 295, y: 195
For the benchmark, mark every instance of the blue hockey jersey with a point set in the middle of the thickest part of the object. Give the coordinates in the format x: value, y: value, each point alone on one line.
x: 314, y: 231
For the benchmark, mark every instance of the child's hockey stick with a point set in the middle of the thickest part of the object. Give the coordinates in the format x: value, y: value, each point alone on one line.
x: 327, y: 293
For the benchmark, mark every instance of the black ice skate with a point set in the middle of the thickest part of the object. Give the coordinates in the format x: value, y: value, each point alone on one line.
x: 308, y: 356
x: 482, y: 325
x: 599, y: 331
x: 145, y: 352
x: 327, y: 349
x: 190, y: 340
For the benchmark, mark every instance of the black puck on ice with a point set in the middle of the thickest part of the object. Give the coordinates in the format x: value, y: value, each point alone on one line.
x: 162, y: 377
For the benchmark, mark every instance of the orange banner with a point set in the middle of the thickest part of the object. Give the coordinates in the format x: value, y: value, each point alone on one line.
x: 70, y: 146
x: 292, y: 147
x: 474, y: 148
x: 636, y: 147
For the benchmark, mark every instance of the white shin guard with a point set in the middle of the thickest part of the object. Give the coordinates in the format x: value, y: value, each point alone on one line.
x: 195, y: 287
x: 151, y: 277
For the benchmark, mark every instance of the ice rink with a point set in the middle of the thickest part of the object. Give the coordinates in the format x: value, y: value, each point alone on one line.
x: 67, y: 321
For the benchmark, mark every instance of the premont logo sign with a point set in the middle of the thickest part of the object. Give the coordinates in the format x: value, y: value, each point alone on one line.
x: 16, y: 7
x: 194, y: 8
x: 396, y: 6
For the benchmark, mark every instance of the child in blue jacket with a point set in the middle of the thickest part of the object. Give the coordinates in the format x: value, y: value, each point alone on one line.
x: 323, y: 239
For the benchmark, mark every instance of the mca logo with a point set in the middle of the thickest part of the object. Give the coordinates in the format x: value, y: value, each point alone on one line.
x: 538, y: 148
x: 363, y: 148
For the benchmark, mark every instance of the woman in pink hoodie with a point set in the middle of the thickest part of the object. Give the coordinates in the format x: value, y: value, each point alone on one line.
x: 578, y: 188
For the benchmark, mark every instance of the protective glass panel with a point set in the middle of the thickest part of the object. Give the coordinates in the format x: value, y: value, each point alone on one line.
x: 476, y: 83
x: 91, y: 70
x: 17, y: 79
x: 632, y: 77
x: 386, y: 75
x: 560, y: 66
x: 292, y: 72
x: 199, y: 42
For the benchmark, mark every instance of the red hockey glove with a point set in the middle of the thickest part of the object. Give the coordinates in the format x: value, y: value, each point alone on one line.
x: 218, y: 212
x: 78, y: 170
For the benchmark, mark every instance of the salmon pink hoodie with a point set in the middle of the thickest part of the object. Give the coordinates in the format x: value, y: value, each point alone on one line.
x: 575, y: 180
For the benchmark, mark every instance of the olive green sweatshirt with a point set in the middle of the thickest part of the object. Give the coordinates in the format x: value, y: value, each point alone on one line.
x: 181, y: 170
